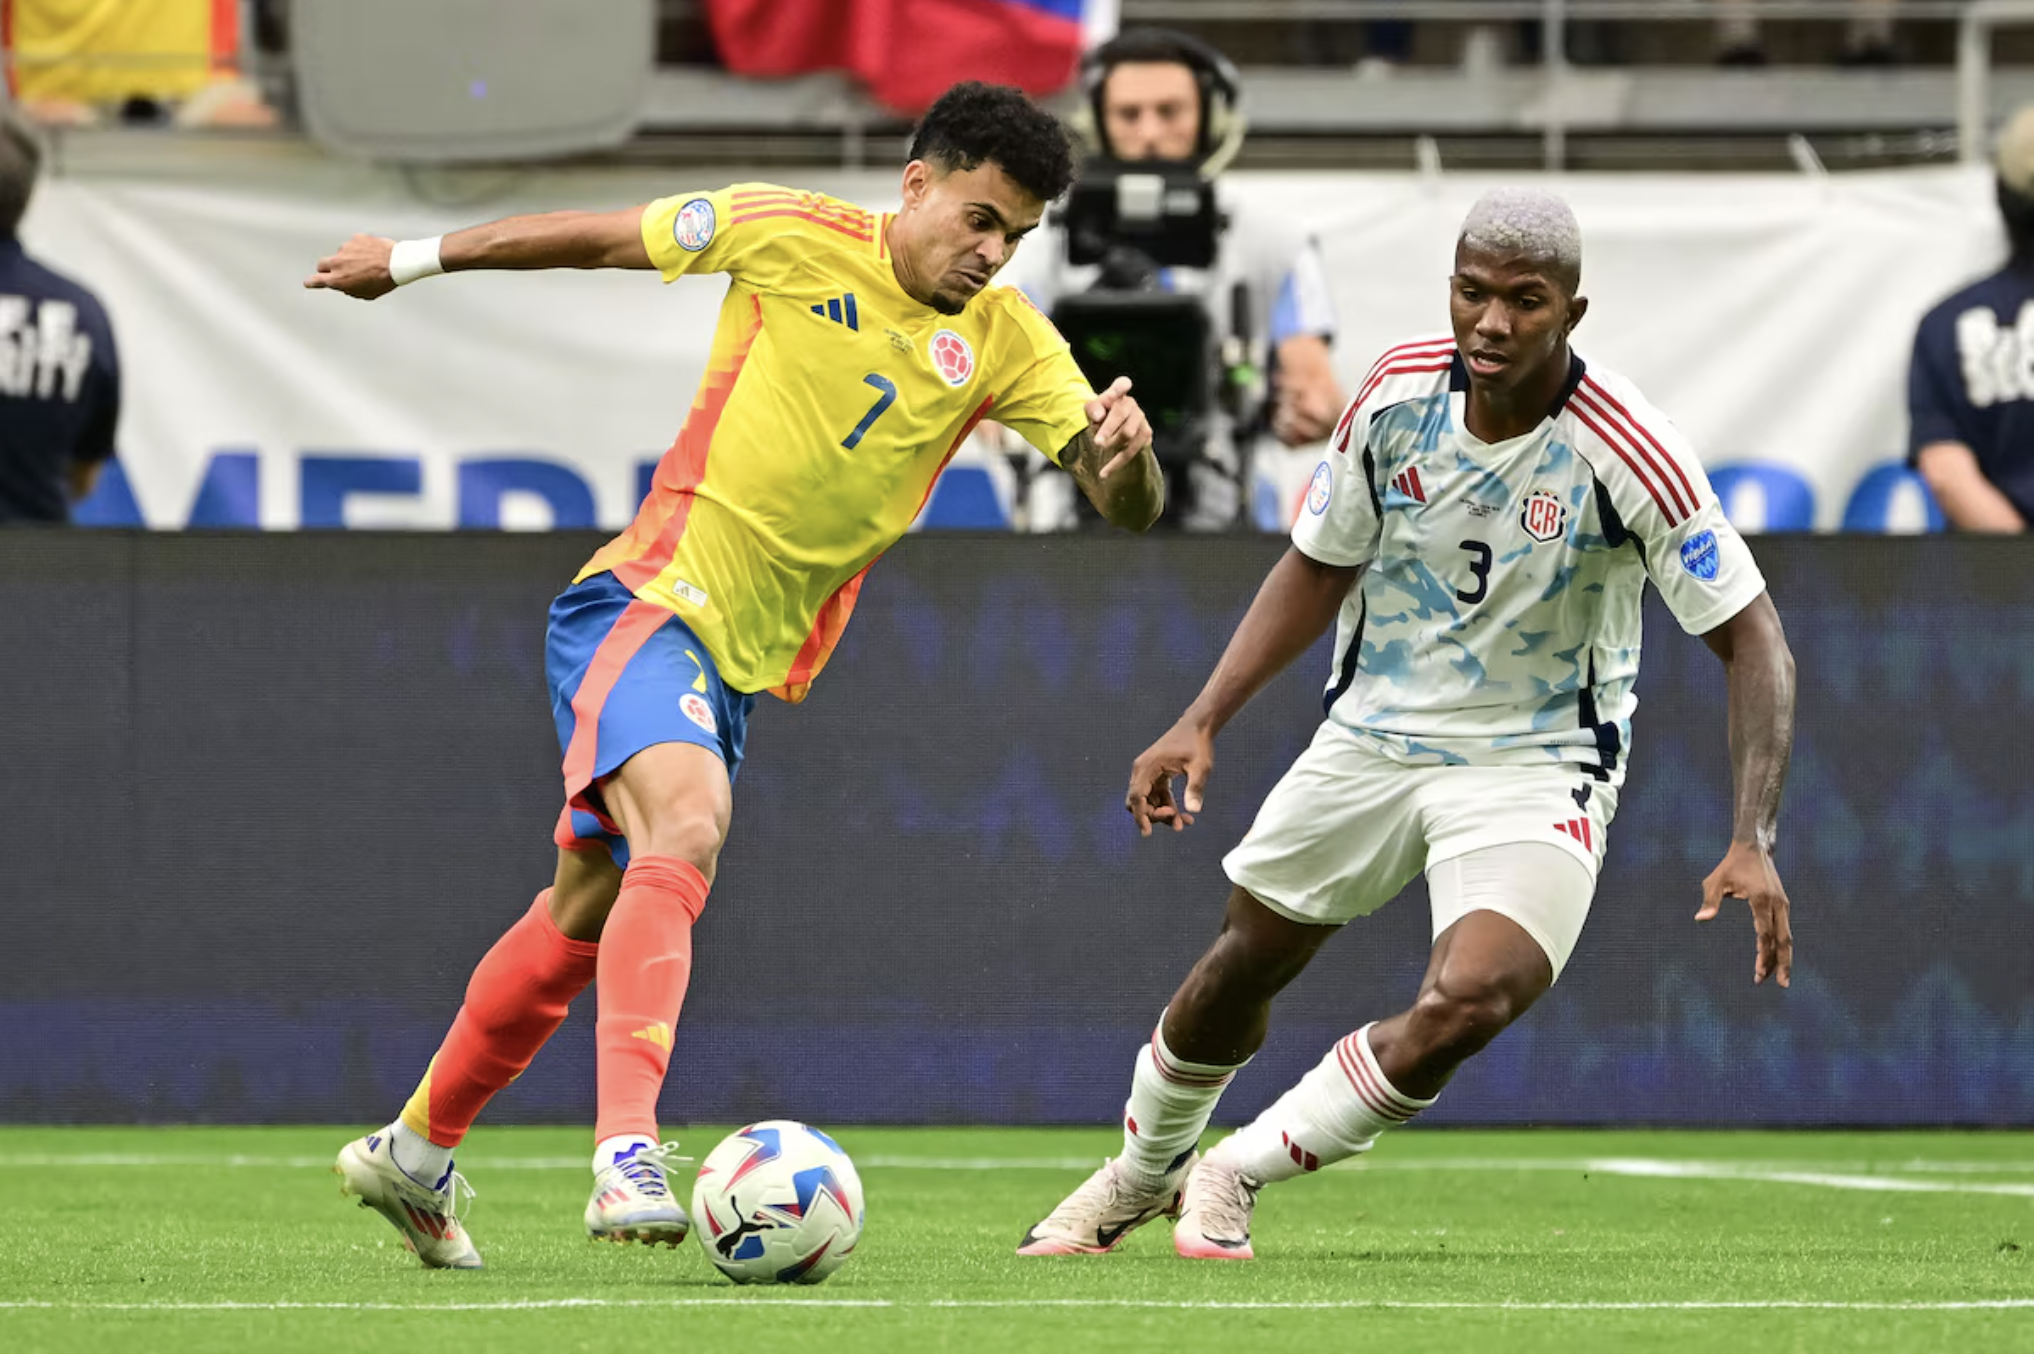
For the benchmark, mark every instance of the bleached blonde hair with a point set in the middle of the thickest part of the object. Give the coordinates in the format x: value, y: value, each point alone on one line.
x: 1528, y: 221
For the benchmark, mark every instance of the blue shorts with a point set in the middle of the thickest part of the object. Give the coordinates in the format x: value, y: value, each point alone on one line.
x: 626, y: 675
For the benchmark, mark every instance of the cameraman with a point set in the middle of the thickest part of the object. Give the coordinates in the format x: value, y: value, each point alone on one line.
x: 1156, y: 95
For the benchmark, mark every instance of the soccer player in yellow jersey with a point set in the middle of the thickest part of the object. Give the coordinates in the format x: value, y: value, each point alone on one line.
x: 854, y: 352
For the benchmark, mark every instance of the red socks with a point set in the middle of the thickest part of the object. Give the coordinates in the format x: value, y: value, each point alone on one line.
x: 515, y: 1000
x: 645, y: 964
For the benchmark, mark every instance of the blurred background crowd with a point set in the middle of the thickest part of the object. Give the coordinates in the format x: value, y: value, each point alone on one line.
x: 1777, y: 192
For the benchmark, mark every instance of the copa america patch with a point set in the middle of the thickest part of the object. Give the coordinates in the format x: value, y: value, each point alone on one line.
x: 952, y: 358
x: 1700, y: 557
x: 1543, y: 515
x: 698, y: 711
x: 1321, y: 490
x: 693, y: 226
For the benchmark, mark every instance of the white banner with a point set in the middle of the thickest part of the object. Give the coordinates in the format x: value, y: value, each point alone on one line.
x: 1771, y: 317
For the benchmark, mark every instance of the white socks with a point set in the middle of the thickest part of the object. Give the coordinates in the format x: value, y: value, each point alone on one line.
x: 1336, y: 1111
x: 417, y: 1156
x: 1170, y: 1101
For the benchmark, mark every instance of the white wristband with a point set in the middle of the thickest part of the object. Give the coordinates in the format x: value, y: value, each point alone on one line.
x: 412, y: 259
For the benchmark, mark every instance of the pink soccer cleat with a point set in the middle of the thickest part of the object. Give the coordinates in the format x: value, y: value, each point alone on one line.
x: 1214, y: 1215
x: 1104, y: 1210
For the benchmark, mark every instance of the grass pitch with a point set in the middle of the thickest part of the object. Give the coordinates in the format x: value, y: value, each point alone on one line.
x: 174, y: 1239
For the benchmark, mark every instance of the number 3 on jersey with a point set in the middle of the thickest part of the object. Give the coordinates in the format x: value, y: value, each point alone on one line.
x: 1479, y: 568
x: 884, y: 401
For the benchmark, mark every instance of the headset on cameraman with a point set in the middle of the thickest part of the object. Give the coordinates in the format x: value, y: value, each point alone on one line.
x: 1222, y: 122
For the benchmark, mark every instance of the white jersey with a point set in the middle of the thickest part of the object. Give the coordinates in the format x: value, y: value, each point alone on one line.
x: 1498, y: 622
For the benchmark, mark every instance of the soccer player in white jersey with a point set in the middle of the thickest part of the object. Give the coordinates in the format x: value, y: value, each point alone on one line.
x: 1482, y: 528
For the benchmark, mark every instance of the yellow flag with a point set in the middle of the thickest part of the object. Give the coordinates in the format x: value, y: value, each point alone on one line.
x: 105, y: 51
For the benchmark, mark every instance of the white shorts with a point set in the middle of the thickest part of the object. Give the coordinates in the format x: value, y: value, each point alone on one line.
x: 1347, y: 828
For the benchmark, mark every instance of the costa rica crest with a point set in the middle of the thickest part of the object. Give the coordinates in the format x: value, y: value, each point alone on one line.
x: 1543, y: 516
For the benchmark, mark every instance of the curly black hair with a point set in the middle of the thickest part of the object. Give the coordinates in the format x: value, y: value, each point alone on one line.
x: 974, y: 123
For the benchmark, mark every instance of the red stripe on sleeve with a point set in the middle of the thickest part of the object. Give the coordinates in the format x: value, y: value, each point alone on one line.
x: 742, y: 218
x: 805, y: 202
x: 1339, y: 439
x: 1410, y: 367
x: 1686, y: 492
x: 1688, y: 489
x: 1619, y: 445
x: 1424, y: 348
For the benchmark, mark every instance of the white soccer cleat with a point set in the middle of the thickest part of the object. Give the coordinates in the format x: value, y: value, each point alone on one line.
x: 426, y: 1216
x: 1214, y: 1213
x: 632, y: 1200
x: 1103, y: 1211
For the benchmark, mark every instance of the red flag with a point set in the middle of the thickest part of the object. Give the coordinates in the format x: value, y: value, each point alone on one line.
x: 908, y: 52
x: 776, y: 38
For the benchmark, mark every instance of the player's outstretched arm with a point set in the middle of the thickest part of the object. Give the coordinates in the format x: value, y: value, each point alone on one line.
x: 368, y: 266
x: 1760, y: 671
x: 1292, y: 609
x: 1112, y: 461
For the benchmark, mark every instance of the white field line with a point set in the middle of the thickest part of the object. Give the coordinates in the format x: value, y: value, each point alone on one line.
x: 1863, y: 1176
x: 759, y: 1303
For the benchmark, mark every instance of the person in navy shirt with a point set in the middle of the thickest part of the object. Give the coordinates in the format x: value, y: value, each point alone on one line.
x: 1970, y: 391
x: 59, y: 374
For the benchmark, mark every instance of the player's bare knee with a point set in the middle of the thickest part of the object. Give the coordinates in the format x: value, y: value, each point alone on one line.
x: 690, y: 834
x: 1241, y: 968
x: 1259, y: 951
x: 1454, y: 1023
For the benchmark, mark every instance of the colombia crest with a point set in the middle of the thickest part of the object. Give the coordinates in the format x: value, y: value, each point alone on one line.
x: 952, y: 358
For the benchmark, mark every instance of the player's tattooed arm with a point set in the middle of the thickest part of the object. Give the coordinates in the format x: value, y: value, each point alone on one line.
x: 1112, y: 462
x: 1760, y: 673
x: 1760, y: 668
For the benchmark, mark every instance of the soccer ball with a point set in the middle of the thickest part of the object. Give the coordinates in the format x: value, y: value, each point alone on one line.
x: 777, y: 1203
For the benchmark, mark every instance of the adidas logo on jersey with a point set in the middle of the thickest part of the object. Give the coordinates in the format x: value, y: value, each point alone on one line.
x: 839, y: 309
x: 1408, y: 483
x: 1578, y: 828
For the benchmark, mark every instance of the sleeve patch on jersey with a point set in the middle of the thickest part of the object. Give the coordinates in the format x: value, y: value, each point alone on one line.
x: 1321, y: 490
x: 1699, y: 555
x: 693, y: 226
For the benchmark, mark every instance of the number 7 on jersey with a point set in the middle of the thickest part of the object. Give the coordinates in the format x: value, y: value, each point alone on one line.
x: 884, y: 401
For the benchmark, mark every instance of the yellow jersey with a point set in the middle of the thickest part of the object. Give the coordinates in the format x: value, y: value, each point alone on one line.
x: 830, y: 404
